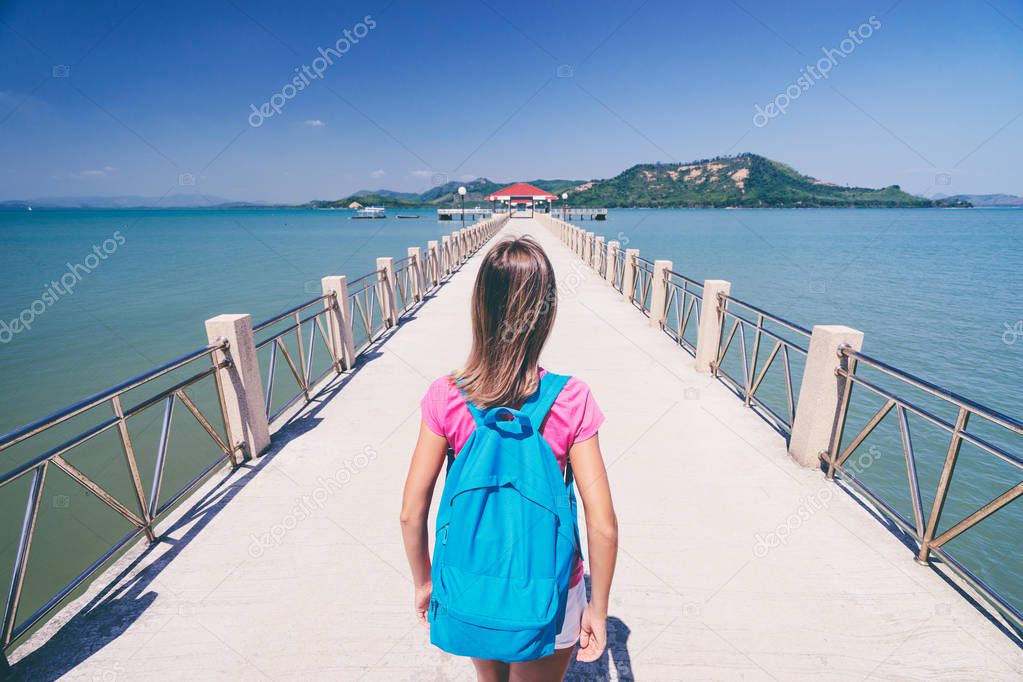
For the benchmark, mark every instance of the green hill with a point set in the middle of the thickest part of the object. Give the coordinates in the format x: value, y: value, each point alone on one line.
x: 743, y: 181
x: 746, y: 180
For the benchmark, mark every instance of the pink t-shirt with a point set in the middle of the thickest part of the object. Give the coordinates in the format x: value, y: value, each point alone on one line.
x: 573, y: 418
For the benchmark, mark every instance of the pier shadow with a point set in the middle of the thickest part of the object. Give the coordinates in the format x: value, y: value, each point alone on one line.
x: 129, y: 594
x: 936, y: 565
x: 616, y: 655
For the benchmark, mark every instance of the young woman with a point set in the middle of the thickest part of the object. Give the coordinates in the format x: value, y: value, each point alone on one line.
x: 513, y: 308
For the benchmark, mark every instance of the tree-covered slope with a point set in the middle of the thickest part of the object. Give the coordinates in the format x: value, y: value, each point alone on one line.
x: 747, y: 180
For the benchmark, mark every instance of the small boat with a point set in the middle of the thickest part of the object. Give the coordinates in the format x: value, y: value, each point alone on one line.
x: 369, y: 212
x: 410, y: 217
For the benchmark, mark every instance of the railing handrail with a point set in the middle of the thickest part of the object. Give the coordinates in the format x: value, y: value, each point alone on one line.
x: 768, y: 315
x: 363, y: 278
x: 28, y: 430
x: 668, y: 274
x: 1004, y: 420
x: 290, y: 311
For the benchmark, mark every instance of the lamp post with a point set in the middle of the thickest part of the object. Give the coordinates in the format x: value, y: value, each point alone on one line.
x: 461, y: 193
x: 564, y: 206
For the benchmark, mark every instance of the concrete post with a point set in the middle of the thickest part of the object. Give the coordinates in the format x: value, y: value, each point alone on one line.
x: 445, y: 255
x: 629, y: 277
x: 658, y: 292
x: 708, y: 334
x: 459, y: 245
x: 589, y: 249
x: 339, y: 320
x: 415, y: 255
x: 820, y: 393
x: 240, y: 385
x: 432, y: 263
x: 386, y: 291
x: 612, y: 256
x: 599, y: 253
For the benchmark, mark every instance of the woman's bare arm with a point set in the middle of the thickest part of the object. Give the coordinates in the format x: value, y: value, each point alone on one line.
x: 427, y: 460
x: 602, y: 539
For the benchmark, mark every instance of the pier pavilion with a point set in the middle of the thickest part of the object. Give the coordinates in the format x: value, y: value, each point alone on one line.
x: 521, y: 194
x: 747, y: 551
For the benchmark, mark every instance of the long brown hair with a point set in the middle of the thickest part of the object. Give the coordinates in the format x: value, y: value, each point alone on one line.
x: 514, y: 302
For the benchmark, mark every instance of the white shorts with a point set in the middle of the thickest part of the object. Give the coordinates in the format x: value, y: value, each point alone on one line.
x: 570, y: 629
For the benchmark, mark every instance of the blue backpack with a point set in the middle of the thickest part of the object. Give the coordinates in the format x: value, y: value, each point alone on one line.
x: 506, y: 538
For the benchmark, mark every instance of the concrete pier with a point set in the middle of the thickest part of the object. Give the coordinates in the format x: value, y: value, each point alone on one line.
x: 735, y: 561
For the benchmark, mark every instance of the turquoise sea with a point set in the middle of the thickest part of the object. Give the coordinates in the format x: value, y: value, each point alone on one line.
x: 937, y: 293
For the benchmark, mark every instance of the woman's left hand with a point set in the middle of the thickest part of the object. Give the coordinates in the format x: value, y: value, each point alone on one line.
x: 421, y: 601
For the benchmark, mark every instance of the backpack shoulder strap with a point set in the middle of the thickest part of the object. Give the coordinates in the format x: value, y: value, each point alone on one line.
x: 540, y: 403
x: 477, y: 413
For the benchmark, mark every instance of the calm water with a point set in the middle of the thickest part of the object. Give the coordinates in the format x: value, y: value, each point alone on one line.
x: 936, y: 292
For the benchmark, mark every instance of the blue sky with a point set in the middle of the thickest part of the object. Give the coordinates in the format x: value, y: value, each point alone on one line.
x: 156, y: 96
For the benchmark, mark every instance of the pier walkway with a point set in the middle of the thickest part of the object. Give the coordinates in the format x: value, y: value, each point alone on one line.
x: 292, y: 568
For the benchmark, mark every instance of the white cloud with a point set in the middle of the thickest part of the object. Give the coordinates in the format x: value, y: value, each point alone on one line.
x: 92, y: 173
x: 377, y: 174
x: 315, y: 123
x: 108, y: 169
x: 422, y: 173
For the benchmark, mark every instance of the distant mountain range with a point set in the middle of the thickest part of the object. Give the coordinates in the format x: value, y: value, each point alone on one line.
x: 129, y: 201
x: 984, y: 200
x: 742, y: 181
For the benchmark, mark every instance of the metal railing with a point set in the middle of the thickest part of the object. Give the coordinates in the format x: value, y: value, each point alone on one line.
x: 642, y: 285
x: 365, y: 311
x: 600, y: 260
x: 406, y: 276
x: 300, y: 370
x: 761, y: 323
x: 146, y: 506
x: 991, y: 433
x: 682, y: 302
x: 618, y: 280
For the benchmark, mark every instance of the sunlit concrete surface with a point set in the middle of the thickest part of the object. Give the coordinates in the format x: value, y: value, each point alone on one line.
x: 293, y: 568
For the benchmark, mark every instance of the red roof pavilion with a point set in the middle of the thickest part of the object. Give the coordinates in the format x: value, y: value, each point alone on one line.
x: 521, y: 191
